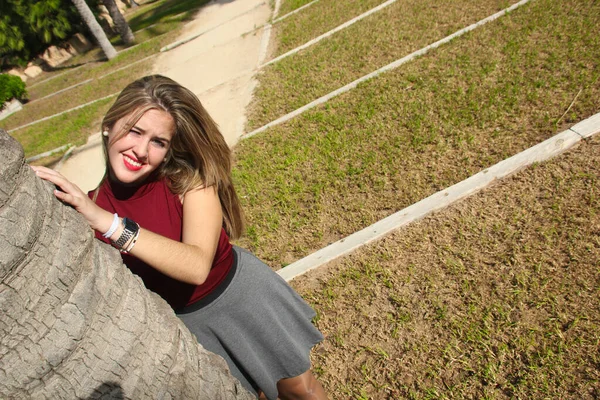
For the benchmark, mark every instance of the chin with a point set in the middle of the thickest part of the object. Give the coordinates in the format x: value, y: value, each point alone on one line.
x: 130, y: 178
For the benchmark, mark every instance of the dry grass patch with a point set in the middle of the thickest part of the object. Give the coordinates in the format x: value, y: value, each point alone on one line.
x: 496, y: 297
x: 405, y: 135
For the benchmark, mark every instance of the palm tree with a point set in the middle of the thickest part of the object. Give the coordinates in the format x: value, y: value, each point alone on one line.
x: 119, y: 21
x: 74, y: 322
x: 95, y: 28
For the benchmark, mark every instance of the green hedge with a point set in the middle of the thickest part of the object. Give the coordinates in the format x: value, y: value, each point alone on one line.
x: 11, y: 87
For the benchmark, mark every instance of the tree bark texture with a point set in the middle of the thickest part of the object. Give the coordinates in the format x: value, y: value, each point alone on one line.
x: 119, y: 21
x: 74, y: 321
x: 88, y: 17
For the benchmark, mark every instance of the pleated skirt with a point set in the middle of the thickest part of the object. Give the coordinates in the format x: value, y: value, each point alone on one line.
x: 257, y: 323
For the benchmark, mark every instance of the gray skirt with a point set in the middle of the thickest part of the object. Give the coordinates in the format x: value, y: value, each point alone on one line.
x: 257, y: 323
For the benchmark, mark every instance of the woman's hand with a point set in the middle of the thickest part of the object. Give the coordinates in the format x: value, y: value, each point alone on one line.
x: 71, y: 194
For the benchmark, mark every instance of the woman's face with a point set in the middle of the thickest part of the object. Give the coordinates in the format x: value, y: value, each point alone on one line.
x: 140, y: 151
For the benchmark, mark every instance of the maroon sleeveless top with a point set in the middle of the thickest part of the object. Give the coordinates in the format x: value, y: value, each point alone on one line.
x: 155, y: 208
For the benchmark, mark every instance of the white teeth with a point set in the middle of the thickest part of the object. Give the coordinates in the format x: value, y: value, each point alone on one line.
x: 132, y: 162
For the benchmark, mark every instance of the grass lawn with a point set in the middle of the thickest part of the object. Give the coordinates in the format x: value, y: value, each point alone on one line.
x: 425, y: 126
x: 381, y: 38
x: 317, y: 19
x: 496, y: 297
x: 291, y: 5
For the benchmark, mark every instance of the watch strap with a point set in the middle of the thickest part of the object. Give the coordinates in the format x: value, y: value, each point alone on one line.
x: 130, y: 228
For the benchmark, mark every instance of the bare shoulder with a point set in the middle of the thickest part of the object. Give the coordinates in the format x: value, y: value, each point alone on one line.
x: 201, y: 197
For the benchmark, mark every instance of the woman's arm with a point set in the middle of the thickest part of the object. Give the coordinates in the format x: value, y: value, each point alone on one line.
x: 190, y: 260
x: 187, y: 261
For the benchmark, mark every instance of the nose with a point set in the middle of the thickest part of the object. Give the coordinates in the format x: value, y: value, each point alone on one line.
x: 141, y: 148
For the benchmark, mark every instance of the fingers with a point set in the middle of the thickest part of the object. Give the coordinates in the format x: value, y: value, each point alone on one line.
x: 69, y: 193
x: 55, y: 177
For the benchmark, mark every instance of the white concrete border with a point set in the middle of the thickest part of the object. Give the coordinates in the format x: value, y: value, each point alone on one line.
x: 48, y: 153
x: 381, y: 70
x: 55, y: 76
x: 587, y: 127
x: 63, y: 112
x: 540, y: 152
x: 62, y: 90
x: 276, y: 8
x: 126, y: 66
x: 331, y: 32
x: 293, y: 12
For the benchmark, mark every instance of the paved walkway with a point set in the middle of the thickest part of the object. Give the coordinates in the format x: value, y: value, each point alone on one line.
x: 218, y: 66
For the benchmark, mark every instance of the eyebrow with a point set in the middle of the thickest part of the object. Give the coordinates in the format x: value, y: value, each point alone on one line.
x: 144, y: 131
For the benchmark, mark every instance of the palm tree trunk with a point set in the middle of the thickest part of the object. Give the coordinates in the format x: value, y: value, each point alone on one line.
x: 95, y: 28
x: 119, y: 21
x: 74, y: 322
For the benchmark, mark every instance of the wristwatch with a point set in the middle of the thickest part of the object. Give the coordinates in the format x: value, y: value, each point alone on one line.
x: 130, y: 228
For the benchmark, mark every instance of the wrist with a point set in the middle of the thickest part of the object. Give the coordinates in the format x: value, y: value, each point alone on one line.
x: 113, y: 226
x: 102, y: 221
x: 118, y: 232
x: 128, y: 236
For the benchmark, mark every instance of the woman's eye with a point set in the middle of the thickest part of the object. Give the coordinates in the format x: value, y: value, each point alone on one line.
x: 159, y: 143
x: 133, y: 131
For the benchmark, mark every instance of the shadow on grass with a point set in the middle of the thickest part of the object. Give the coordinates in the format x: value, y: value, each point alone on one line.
x: 159, y: 12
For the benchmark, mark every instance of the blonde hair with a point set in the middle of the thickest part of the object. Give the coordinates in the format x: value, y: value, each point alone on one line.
x: 198, y: 155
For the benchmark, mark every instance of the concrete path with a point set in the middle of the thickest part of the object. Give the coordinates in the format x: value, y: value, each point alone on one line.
x: 218, y: 65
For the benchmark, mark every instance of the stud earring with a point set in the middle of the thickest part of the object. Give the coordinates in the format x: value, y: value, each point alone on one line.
x: 105, y: 133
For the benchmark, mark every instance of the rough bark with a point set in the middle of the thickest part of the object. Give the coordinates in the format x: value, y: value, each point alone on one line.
x: 119, y: 21
x: 74, y: 322
x: 88, y: 17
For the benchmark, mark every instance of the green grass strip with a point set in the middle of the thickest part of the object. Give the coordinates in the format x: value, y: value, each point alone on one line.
x: 86, y: 93
x: 73, y: 127
x: 392, y: 33
x: 288, y: 6
x: 316, y: 20
x: 414, y: 131
x: 98, y: 69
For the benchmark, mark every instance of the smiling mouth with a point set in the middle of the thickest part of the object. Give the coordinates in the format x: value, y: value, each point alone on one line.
x: 131, y: 164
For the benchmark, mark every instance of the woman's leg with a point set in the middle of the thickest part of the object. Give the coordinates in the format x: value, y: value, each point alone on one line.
x: 304, y: 386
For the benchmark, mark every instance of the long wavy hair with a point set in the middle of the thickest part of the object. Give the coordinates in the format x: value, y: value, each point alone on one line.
x: 198, y: 155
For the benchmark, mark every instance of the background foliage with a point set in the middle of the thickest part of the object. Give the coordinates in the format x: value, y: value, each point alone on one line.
x: 27, y: 27
x: 11, y: 87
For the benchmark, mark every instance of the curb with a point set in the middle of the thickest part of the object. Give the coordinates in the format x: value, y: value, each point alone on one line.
x: 331, y: 32
x: 543, y: 151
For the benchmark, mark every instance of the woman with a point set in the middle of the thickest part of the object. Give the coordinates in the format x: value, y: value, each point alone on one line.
x: 168, y: 204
